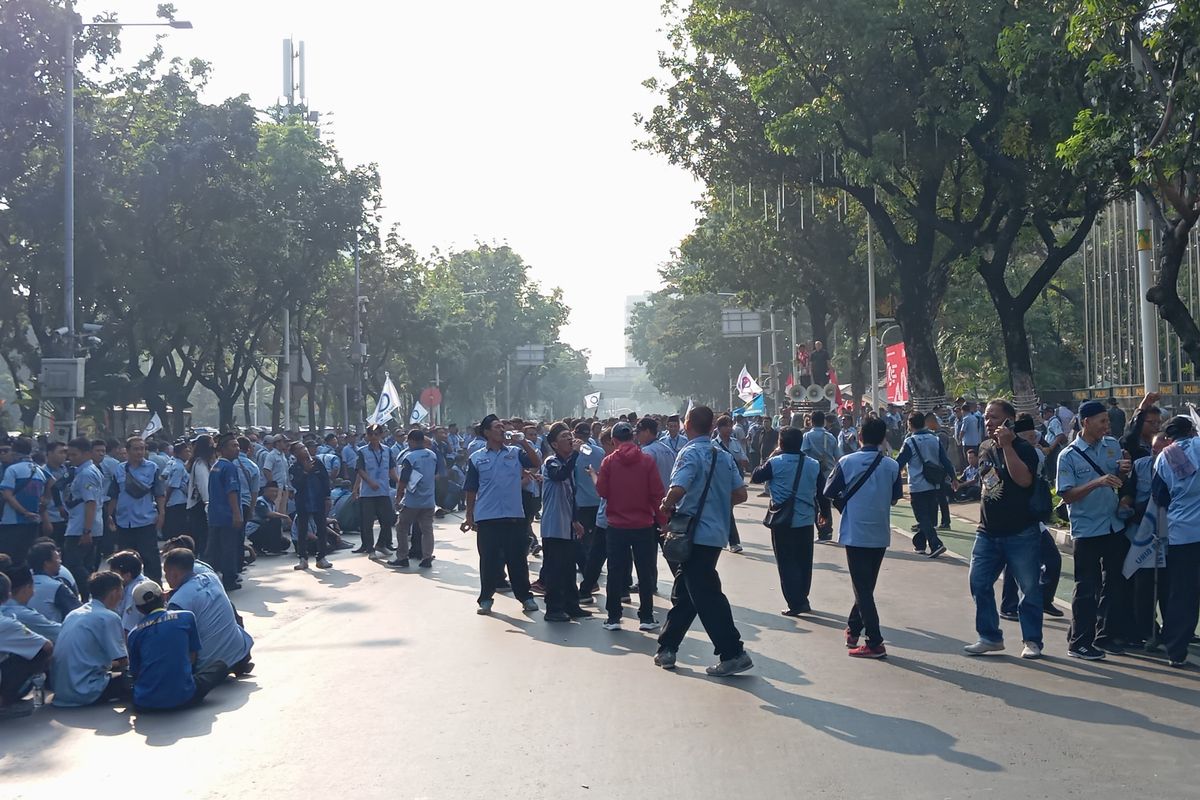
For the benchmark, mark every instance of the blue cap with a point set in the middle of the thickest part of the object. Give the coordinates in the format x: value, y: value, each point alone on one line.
x: 1091, y: 408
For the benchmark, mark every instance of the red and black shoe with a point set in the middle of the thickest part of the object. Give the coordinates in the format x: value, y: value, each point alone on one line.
x: 851, y: 640
x: 867, y: 651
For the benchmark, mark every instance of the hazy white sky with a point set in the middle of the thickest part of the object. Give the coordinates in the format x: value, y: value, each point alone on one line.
x: 503, y: 120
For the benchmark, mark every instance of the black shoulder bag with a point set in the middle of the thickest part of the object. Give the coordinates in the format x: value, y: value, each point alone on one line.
x: 681, y: 528
x: 779, y: 515
x: 842, y: 499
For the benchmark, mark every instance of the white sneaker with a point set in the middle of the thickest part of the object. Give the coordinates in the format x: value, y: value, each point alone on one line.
x: 983, y: 646
x: 649, y: 625
x: 1031, y: 650
x: 612, y: 625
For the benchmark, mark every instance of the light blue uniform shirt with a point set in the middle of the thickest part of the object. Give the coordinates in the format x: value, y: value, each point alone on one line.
x: 823, y: 446
x: 558, y: 497
x: 675, y: 442
x: 55, y: 512
x: 495, y: 477
x: 90, y: 640
x: 866, y: 521
x: 221, y: 639
x: 1183, y: 511
x: 1096, y: 514
x: 53, y: 597
x: 586, y: 495
x: 31, y: 618
x: 251, y: 480
x: 136, y: 512
x: 664, y: 459
x: 921, y: 446
x: 88, y: 486
x: 422, y: 462
x: 176, y: 481
x: 783, y: 472
x: 33, y: 481
x: 1143, y: 468
x: 690, y: 472
x: 350, y: 455
x: 378, y: 466
x: 971, y: 429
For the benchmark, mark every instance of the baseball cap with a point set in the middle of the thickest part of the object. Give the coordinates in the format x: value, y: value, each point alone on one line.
x: 622, y: 431
x: 146, y: 592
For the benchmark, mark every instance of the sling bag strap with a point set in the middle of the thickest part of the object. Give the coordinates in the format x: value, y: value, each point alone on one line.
x: 858, y: 484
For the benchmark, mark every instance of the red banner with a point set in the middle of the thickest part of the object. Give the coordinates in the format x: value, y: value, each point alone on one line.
x: 897, y: 374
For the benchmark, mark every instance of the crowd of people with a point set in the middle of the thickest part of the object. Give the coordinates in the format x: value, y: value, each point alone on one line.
x: 105, y: 596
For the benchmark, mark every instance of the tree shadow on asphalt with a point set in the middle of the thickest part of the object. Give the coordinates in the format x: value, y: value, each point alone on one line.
x: 1017, y: 695
x: 855, y: 726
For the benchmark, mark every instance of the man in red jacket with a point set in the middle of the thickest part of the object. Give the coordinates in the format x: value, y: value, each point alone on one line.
x: 633, y: 491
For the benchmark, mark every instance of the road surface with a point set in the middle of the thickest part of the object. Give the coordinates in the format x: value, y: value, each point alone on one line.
x: 376, y: 684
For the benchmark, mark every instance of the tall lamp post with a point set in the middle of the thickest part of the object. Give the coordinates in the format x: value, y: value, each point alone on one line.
x: 74, y: 23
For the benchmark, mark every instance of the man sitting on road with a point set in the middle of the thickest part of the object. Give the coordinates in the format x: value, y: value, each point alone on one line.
x: 221, y: 638
x: 163, y: 650
x: 89, y: 659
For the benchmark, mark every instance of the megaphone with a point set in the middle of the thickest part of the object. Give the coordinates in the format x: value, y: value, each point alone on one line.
x: 830, y: 392
x: 814, y: 393
x: 795, y: 392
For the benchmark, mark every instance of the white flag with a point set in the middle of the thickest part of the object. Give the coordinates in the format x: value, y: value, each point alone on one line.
x: 691, y: 405
x: 747, y: 387
x: 419, y: 413
x: 387, y: 405
x: 591, y: 400
x: 1148, y: 544
x: 152, y: 427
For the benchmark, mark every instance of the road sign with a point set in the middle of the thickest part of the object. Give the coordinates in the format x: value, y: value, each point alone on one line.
x: 431, y: 397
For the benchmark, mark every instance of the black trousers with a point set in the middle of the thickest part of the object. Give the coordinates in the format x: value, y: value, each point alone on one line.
x: 864, y: 564
x: 558, y: 575
x: 794, y: 559
x: 175, y: 521
x: 925, y: 509
x: 370, y: 510
x: 198, y: 526
x: 504, y: 543
x: 268, y: 537
x: 144, y: 540
x: 17, y: 672
x: 1051, y: 574
x: 641, y: 546
x: 734, y: 537
x: 316, y: 521
x: 585, y: 516
x: 81, y: 560
x: 15, y: 540
x: 1145, y: 615
x: 1100, y: 588
x: 224, y: 552
x: 697, y: 593
x: 1183, y: 605
x: 944, y: 503
x: 597, y: 556
x: 531, y: 506
x: 206, y: 680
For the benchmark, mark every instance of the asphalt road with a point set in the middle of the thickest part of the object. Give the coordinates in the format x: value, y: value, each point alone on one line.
x: 371, y: 683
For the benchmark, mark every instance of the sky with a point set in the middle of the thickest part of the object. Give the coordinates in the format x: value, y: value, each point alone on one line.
x: 507, y: 121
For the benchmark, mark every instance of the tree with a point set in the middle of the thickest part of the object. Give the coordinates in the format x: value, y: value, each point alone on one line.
x: 1152, y: 99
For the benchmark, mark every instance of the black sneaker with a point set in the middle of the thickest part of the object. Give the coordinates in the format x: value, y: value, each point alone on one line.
x: 1011, y: 616
x: 941, y: 548
x: 579, y: 613
x: 1110, y: 647
x: 426, y: 563
x: 556, y: 616
x: 398, y: 562
x: 1086, y: 652
x: 1052, y: 611
x: 945, y: 526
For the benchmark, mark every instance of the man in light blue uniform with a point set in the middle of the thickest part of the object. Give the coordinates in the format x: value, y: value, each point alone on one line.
x: 60, y: 473
x: 587, y: 499
x: 24, y: 654
x: 920, y: 449
x: 822, y: 446
x: 375, y: 468
x: 24, y: 489
x: 415, y: 498
x: 53, y: 597
x: 867, y: 484
x: 673, y: 437
x: 17, y: 605
x: 495, y: 510
x: 90, y: 646
x: 176, y: 483
x: 658, y: 449
x: 1177, y: 490
x: 560, y: 527
x: 1090, y: 473
x: 140, y: 506
x: 971, y: 428
x: 84, y: 498
x: 697, y: 588
x: 221, y: 638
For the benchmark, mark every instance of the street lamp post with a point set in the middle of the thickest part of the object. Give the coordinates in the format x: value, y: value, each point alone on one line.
x: 73, y: 25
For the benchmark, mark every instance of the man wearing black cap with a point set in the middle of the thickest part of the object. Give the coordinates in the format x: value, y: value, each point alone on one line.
x: 495, y: 510
x: 1090, y: 473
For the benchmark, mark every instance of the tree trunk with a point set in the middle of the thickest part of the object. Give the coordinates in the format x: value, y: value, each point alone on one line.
x: 226, y: 403
x: 1165, y: 292
x: 1016, y: 351
x: 246, y: 409
x: 925, y: 382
